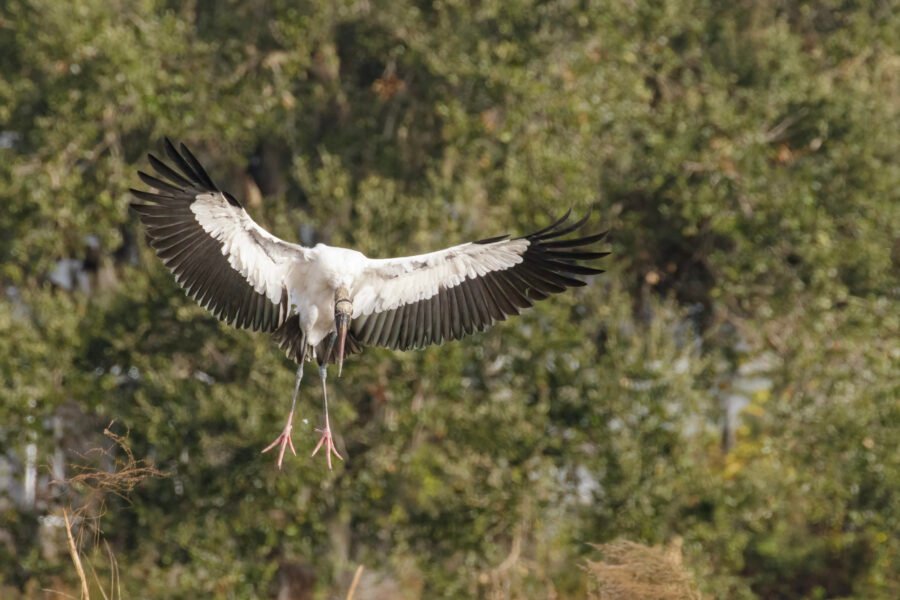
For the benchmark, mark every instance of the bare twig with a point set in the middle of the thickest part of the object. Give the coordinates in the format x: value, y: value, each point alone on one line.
x: 73, y: 551
x: 115, y: 582
x: 63, y: 594
x: 97, y: 580
x: 355, y: 582
x: 775, y: 132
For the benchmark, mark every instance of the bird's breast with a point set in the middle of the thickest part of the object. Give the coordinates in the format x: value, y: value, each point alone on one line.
x: 312, y: 285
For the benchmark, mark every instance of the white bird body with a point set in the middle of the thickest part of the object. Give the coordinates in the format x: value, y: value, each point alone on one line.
x: 312, y: 282
x: 311, y: 298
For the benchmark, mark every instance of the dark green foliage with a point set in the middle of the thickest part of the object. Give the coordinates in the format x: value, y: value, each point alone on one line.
x: 743, y: 154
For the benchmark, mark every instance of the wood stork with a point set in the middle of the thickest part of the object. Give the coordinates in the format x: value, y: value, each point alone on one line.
x: 324, y: 303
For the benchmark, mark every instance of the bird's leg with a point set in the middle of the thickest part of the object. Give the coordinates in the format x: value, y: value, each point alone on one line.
x: 326, y: 438
x: 284, y: 440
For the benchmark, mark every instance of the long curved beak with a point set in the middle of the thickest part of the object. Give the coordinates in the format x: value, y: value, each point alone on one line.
x: 342, y: 322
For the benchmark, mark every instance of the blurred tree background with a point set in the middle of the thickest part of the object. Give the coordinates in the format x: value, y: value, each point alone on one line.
x: 731, y: 384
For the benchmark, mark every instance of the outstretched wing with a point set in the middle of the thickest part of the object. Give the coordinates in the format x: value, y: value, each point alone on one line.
x: 411, y: 302
x: 219, y: 255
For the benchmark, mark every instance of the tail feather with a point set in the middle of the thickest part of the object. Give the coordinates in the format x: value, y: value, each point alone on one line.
x: 292, y: 340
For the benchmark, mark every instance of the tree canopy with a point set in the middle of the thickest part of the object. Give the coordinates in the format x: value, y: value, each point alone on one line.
x: 731, y: 383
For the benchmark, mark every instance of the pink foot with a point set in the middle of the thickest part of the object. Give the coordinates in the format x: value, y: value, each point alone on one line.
x: 328, y: 441
x: 283, y: 440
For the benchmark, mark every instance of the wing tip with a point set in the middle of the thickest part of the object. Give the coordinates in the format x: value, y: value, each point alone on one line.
x: 492, y: 240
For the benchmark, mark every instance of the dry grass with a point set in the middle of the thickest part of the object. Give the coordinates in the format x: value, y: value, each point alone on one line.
x: 126, y: 474
x: 630, y: 570
x: 92, y: 487
x: 354, y: 583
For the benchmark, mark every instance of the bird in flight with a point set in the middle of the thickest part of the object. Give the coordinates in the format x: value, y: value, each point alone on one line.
x: 325, y: 303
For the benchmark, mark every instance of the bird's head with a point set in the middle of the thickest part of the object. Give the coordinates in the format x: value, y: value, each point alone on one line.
x: 343, y: 309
